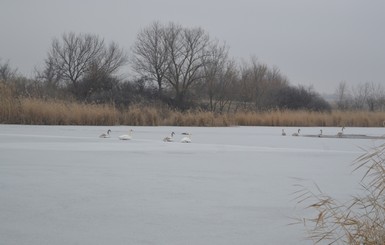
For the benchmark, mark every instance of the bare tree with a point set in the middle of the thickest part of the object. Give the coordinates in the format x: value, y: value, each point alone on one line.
x: 214, y: 72
x: 71, y: 57
x: 176, y: 58
x: 364, y: 96
x: 187, y: 52
x: 150, y: 58
x: 49, y: 77
x: 7, y: 72
x: 246, y: 86
x: 259, y: 85
x: 267, y: 88
x: 359, y: 95
x: 226, y: 87
x: 110, y: 60
x: 376, y: 96
x: 79, y: 54
x: 342, y: 94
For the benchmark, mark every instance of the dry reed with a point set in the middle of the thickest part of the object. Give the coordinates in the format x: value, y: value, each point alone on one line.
x: 34, y: 111
x: 359, y: 221
x: 52, y: 112
x: 9, y: 104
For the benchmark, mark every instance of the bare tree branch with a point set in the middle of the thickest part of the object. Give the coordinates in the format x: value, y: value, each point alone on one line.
x: 76, y: 55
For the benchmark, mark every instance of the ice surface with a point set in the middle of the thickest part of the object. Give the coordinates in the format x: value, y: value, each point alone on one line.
x: 65, y: 185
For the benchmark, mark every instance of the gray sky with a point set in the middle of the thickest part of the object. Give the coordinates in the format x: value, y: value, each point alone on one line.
x: 312, y: 42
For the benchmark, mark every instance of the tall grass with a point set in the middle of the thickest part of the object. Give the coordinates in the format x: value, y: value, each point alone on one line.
x: 309, y: 118
x: 359, y: 221
x: 53, y: 112
x: 9, y: 104
x: 34, y: 111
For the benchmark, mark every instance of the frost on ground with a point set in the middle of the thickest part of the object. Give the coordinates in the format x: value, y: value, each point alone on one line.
x: 65, y: 185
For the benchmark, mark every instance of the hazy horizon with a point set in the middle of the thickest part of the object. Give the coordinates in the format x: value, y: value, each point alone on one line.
x: 318, y: 43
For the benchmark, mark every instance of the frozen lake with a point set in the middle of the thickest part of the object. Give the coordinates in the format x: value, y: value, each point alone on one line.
x: 65, y: 185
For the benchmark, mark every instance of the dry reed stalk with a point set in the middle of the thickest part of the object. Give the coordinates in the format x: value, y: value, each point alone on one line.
x: 360, y: 221
x: 133, y: 116
x: 358, y: 118
x: 34, y: 111
x: 141, y: 116
x: 9, y: 104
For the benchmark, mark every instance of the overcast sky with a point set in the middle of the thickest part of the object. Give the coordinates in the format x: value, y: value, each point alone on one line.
x: 313, y: 43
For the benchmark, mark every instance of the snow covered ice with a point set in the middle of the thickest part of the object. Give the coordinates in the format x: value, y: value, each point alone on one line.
x: 234, y: 185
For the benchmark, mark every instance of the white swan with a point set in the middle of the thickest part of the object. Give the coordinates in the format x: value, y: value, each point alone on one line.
x: 296, y: 133
x: 186, y: 139
x: 283, y: 132
x: 169, y: 138
x: 105, y: 135
x: 126, y: 136
x: 341, y: 133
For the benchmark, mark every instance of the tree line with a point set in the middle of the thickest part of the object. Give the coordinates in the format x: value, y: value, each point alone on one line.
x: 180, y: 67
x: 365, y: 96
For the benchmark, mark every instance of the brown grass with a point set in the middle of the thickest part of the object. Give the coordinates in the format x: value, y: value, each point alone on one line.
x: 34, y: 111
x: 9, y: 105
x: 52, y: 112
x: 308, y: 118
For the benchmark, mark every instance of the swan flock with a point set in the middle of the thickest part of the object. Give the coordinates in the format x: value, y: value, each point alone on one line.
x: 129, y: 136
x: 186, y: 136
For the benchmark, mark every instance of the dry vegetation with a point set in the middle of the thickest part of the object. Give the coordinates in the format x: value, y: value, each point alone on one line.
x: 53, y: 112
x: 358, y: 221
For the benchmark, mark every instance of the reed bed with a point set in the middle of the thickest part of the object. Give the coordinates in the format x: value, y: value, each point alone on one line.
x: 311, y: 119
x: 52, y: 112
x: 34, y: 111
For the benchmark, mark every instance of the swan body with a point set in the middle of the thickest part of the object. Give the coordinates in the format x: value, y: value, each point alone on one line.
x: 186, y: 139
x: 283, y: 132
x: 169, y: 138
x: 296, y: 133
x: 340, y: 133
x: 105, y: 135
x: 126, y: 136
